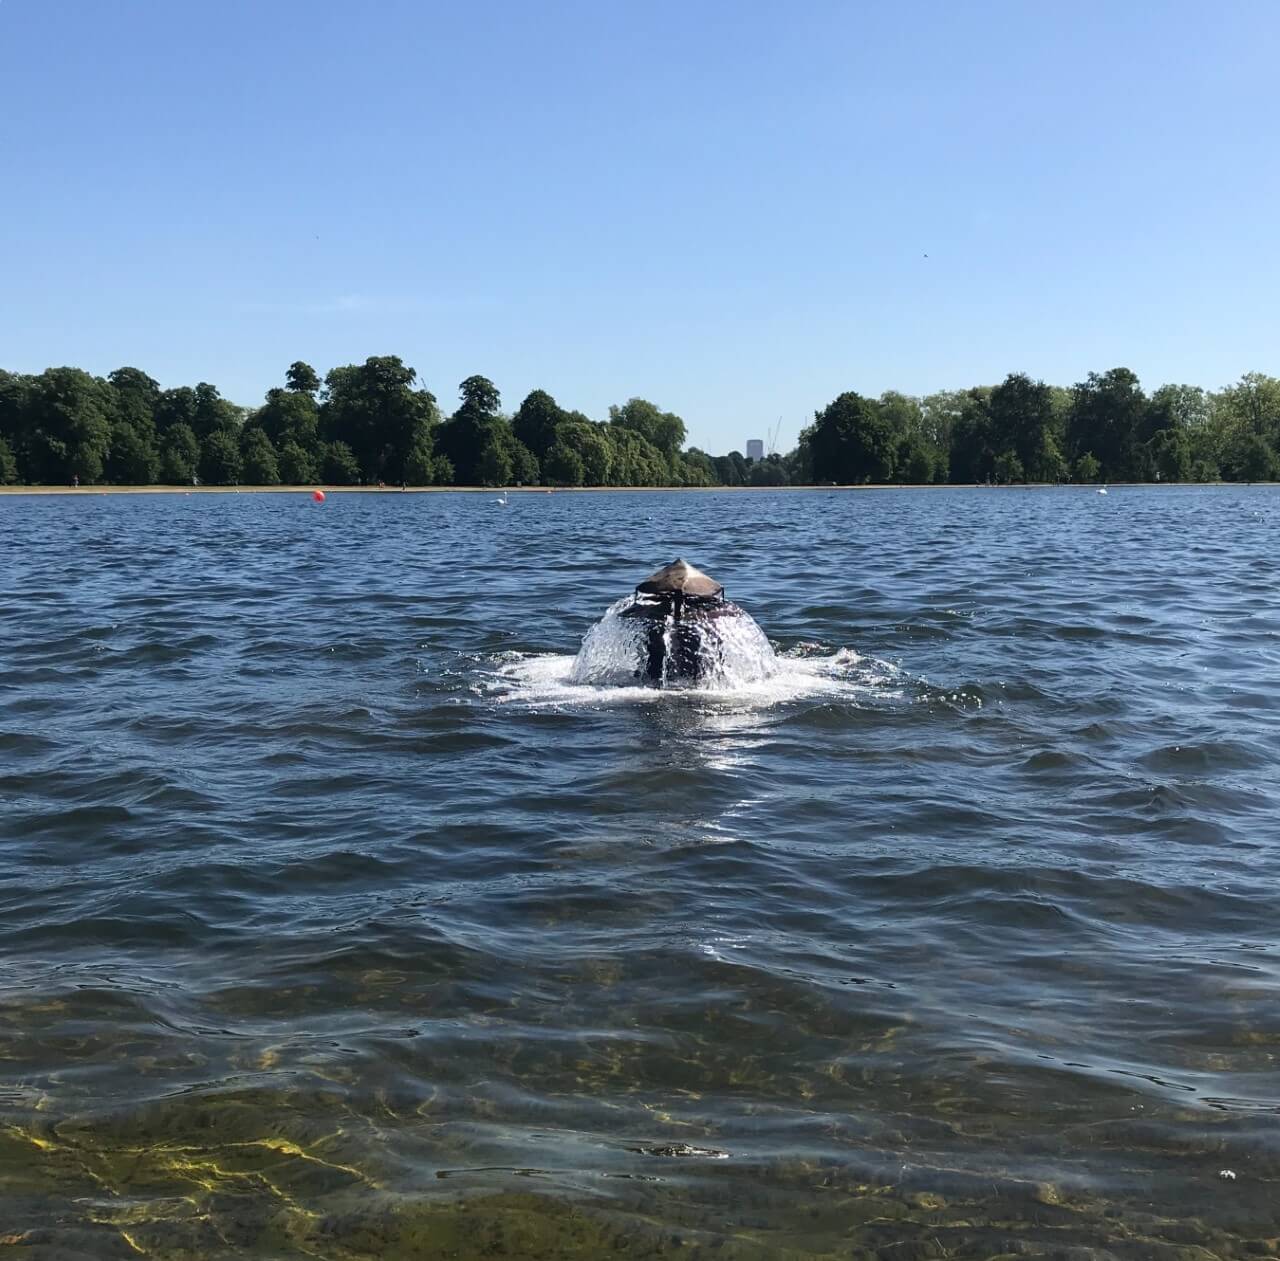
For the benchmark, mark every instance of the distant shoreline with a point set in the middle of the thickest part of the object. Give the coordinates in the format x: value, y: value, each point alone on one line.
x: 571, y: 490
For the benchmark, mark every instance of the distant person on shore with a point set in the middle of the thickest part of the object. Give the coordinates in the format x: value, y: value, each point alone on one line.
x: 75, y: 481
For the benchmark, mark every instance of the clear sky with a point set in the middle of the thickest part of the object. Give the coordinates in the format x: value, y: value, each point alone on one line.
x: 725, y: 207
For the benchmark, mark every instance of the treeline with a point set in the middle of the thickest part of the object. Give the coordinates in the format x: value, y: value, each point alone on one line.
x: 364, y: 424
x: 373, y: 423
x: 1103, y: 428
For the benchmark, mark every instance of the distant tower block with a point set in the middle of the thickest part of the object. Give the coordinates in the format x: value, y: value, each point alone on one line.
x: 755, y: 448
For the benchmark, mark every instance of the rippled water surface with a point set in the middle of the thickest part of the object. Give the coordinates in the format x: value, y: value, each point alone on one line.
x: 337, y: 921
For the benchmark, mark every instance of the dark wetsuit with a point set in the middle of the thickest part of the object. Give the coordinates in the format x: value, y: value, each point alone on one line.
x: 688, y: 618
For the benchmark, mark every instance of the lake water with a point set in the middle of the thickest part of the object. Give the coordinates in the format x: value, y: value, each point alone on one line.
x: 336, y: 922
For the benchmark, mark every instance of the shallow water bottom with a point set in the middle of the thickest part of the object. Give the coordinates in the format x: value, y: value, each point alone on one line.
x: 260, y: 1175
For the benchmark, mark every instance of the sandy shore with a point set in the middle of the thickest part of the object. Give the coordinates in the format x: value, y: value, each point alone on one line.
x: 557, y: 490
x: 410, y: 490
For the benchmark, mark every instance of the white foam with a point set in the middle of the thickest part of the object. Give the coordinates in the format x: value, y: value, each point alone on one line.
x: 546, y: 680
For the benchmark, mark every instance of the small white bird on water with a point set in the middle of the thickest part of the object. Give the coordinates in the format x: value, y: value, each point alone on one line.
x: 502, y: 499
x: 1102, y: 490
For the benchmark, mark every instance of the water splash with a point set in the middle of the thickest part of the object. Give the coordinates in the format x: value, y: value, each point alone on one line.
x: 615, y: 650
x: 549, y: 680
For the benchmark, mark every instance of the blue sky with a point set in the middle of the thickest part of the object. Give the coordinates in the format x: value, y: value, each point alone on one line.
x: 724, y: 207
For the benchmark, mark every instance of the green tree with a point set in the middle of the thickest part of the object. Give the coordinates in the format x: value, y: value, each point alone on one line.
x: 536, y: 421
x: 132, y: 459
x: 1251, y: 406
x: 1108, y: 415
x: 592, y: 446
x: 731, y: 469
x: 919, y: 452
x: 799, y: 463
x: 220, y: 463
x: 663, y: 430
x: 1206, y: 455
x: 421, y: 466
x: 214, y: 414
x: 15, y: 395
x: 179, y: 455
x: 68, y: 426
x: 1244, y: 427
x: 494, y: 465
x: 939, y: 412
x: 1008, y: 469
x: 634, y: 460
x: 301, y: 378
x: 138, y: 394
x: 374, y: 409
x: 1087, y: 468
x: 971, y: 455
x: 1249, y: 457
x: 260, y: 466
x: 15, y: 392
x: 1170, y: 454
x: 700, y: 468
x: 481, y: 395
x: 563, y: 466
x: 175, y: 407
x: 133, y: 456
x: 914, y: 462
x: 373, y: 422
x: 339, y: 465
x: 1184, y: 407
x: 524, y: 464
x: 289, y: 416
x: 295, y: 464
x: 769, y: 472
x: 136, y: 398
x: 1051, y: 465
x: 851, y: 441
x: 1022, y: 423
x: 464, y: 436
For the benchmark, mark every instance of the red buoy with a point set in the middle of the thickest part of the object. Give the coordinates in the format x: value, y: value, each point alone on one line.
x: 318, y: 496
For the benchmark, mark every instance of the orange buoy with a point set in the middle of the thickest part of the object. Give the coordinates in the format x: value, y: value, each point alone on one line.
x: 318, y: 496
